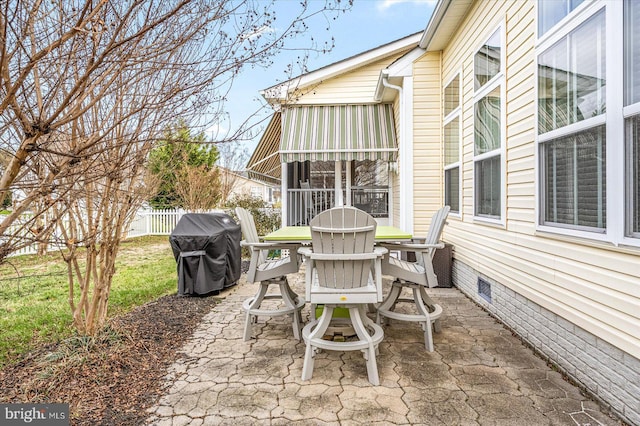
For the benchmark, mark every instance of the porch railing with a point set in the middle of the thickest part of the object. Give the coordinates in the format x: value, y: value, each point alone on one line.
x: 304, y: 204
x: 374, y: 201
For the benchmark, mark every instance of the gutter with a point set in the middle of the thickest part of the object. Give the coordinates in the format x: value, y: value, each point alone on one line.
x: 385, y: 83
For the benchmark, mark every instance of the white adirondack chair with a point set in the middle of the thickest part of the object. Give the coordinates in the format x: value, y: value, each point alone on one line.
x: 339, y: 273
x: 269, y: 272
x: 416, y: 276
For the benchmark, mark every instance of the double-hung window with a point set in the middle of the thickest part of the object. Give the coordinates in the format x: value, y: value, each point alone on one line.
x: 488, y: 144
x: 571, y: 127
x: 589, y: 118
x: 451, y: 131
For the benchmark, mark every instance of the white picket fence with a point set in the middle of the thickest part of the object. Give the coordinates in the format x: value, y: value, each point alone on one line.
x: 145, y: 222
x: 157, y: 222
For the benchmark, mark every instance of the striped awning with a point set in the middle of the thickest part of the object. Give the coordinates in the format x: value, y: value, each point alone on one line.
x: 338, y: 132
x: 264, y: 164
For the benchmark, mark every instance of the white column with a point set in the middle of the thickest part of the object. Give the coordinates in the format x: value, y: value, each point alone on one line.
x: 406, y: 155
x: 338, y: 184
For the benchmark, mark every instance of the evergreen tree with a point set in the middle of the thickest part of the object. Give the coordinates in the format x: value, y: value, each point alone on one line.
x: 178, y: 150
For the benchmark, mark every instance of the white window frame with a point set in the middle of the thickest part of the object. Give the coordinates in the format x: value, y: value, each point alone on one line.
x: 257, y: 191
x: 497, y: 81
x: 455, y: 113
x: 616, y: 205
x: 627, y: 112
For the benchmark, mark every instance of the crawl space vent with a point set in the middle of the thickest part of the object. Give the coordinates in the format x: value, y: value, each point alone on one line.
x: 484, y: 289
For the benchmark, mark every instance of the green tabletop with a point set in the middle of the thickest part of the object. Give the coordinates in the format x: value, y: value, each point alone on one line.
x: 303, y: 233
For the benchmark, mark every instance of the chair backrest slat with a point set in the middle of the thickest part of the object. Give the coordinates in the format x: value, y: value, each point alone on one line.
x: 437, y: 225
x: 343, y: 231
x: 249, y: 230
x: 438, y: 220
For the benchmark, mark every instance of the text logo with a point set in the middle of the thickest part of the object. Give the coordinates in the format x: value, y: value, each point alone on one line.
x: 34, y: 414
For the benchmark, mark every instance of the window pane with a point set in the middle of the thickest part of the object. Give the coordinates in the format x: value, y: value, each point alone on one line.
x: 323, y: 174
x: 370, y: 173
x: 256, y: 192
x: 550, y: 12
x: 487, y: 193
x: 452, y: 141
x: 369, y: 187
x: 575, y: 184
x: 633, y: 176
x: 487, y: 123
x: 486, y: 63
x: 452, y: 189
x: 632, y: 52
x: 572, y: 78
x: 574, y: 3
x: 452, y: 96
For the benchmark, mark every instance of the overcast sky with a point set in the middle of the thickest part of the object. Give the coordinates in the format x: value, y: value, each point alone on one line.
x: 369, y: 24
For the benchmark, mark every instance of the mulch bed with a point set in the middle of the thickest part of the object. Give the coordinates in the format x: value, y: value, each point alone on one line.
x: 113, y: 378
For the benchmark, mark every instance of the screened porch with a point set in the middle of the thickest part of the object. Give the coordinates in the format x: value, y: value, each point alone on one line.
x: 327, y: 156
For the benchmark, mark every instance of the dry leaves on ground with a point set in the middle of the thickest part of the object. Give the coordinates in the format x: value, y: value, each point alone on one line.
x: 114, y: 378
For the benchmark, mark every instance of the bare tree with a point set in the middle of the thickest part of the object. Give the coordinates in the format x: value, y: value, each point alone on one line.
x: 86, y: 87
x: 233, y: 159
x: 199, y: 187
x: 102, y: 191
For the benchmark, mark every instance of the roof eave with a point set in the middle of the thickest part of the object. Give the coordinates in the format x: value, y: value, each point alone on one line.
x: 445, y: 20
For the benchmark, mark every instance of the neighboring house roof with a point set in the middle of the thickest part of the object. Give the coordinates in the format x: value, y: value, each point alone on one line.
x: 279, y: 92
x: 243, y: 176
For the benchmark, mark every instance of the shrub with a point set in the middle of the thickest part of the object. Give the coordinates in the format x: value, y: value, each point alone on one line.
x: 267, y: 219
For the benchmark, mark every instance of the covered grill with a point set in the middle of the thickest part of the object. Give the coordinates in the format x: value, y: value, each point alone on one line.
x: 207, y: 251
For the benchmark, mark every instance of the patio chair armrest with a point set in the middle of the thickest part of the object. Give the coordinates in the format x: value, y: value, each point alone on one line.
x: 270, y: 246
x: 380, y: 251
x: 411, y: 246
x: 305, y: 251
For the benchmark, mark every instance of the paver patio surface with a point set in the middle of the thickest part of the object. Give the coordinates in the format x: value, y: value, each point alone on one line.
x: 479, y: 374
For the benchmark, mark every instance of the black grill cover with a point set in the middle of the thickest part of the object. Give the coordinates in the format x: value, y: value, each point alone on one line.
x: 207, y: 252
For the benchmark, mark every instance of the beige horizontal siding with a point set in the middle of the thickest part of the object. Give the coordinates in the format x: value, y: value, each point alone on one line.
x: 357, y: 86
x: 592, y: 284
x: 427, y: 149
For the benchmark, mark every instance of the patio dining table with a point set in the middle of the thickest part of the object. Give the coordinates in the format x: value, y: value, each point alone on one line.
x: 302, y: 234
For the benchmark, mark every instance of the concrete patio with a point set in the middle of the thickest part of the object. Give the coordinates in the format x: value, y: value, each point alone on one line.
x: 479, y: 374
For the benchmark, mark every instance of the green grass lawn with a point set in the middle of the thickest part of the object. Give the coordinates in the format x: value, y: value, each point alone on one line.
x: 34, y: 291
